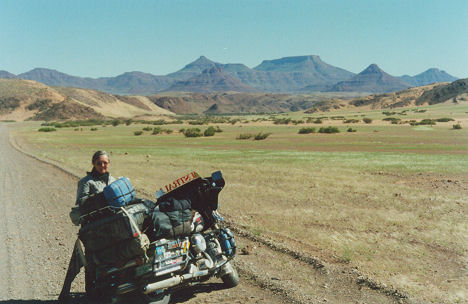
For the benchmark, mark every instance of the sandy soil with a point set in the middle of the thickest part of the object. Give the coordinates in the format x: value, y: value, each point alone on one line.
x: 37, y: 238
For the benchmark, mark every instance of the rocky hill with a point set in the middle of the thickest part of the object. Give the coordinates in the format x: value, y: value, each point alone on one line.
x: 372, y: 80
x: 213, y: 79
x: 432, y: 75
x: 234, y: 102
x: 442, y: 93
x: 25, y: 99
x: 423, y: 95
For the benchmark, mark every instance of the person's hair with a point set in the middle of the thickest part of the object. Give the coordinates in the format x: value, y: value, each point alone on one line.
x: 97, y: 154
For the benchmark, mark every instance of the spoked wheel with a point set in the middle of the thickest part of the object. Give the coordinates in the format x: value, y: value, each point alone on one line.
x: 162, y: 298
x: 231, y: 278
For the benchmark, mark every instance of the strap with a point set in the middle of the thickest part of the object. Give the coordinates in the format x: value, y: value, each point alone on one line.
x: 130, y: 218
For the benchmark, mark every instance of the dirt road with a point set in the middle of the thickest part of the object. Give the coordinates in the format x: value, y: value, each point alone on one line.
x: 37, y: 237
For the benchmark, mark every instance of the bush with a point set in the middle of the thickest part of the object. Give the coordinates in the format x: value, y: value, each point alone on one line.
x: 244, y: 136
x: 429, y: 122
x: 147, y: 129
x: 192, y: 132
x: 47, y: 129
x: 306, y: 130
x: 94, y: 129
x: 329, y: 129
x: 445, y: 119
x: 394, y: 120
x: 115, y: 123
x: 218, y: 129
x: 209, y: 132
x: 367, y: 120
x: 457, y: 126
x: 128, y: 122
x: 351, y: 130
x: 261, y: 136
x: 351, y: 121
x: 137, y: 133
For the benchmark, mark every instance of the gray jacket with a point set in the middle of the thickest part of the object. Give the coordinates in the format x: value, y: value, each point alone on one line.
x: 91, y: 184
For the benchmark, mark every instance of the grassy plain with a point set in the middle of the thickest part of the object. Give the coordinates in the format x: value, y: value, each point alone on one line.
x: 388, y: 199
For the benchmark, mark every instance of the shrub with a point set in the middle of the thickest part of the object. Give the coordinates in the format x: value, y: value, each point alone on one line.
x: 306, y: 130
x: 244, y: 136
x: 218, y: 129
x: 393, y: 120
x: 157, y: 130
x: 351, y: 121
x: 281, y: 121
x: 115, y: 123
x: 351, y: 130
x: 137, y: 133
x: 197, y: 122
x: 192, y: 132
x: 261, y: 136
x: 445, y: 119
x: 367, y: 120
x: 209, y: 132
x: 47, y: 129
x: 430, y: 122
x: 128, y: 122
x: 94, y: 129
x: 329, y: 129
x: 159, y: 122
x: 147, y: 129
x: 457, y: 126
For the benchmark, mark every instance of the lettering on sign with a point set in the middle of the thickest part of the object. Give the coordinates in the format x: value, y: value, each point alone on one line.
x: 181, y: 181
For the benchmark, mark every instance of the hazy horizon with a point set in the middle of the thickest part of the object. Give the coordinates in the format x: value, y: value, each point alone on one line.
x: 107, y: 38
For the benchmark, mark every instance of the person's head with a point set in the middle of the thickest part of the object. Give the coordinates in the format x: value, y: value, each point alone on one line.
x: 100, y: 161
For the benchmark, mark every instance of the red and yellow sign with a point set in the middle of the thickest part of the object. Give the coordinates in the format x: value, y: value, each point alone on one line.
x: 181, y: 181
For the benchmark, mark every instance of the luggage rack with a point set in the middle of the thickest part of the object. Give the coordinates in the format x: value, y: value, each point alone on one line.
x: 98, y: 214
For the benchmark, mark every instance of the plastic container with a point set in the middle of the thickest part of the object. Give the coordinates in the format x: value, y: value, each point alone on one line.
x: 120, y: 193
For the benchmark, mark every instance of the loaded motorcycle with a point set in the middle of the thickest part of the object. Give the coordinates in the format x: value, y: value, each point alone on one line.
x: 145, y: 249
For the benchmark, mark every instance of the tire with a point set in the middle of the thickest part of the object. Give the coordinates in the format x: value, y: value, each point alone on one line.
x: 162, y: 298
x: 231, y: 279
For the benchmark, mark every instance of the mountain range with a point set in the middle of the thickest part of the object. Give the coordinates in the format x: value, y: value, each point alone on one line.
x: 298, y: 74
x: 26, y: 99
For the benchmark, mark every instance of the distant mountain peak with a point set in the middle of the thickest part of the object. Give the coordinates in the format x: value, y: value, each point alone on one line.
x: 211, y: 79
x: 372, y: 69
x: 201, y: 61
x: 372, y: 79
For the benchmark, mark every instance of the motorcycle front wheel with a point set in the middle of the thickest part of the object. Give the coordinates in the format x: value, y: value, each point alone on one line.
x: 162, y: 298
x: 230, y: 279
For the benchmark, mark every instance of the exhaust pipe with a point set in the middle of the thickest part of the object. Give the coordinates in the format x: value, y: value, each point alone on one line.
x: 176, y: 280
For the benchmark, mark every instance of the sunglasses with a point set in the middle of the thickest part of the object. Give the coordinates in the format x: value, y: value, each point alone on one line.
x: 102, y: 163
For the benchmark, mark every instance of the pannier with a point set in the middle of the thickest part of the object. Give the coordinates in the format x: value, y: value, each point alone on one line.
x: 117, y: 236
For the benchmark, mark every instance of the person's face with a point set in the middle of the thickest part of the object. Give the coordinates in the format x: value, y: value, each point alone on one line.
x: 101, y: 164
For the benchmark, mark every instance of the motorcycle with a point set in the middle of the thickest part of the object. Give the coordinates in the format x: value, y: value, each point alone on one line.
x: 172, y: 264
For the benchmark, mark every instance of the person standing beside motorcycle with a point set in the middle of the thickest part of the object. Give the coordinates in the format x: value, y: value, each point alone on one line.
x: 89, y: 190
x: 91, y: 186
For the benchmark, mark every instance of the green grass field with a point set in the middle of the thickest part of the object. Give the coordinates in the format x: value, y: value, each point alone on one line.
x: 388, y: 199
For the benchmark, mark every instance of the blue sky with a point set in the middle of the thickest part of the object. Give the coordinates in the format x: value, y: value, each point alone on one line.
x: 109, y: 37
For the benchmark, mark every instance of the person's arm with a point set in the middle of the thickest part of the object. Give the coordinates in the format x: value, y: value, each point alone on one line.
x: 82, y: 193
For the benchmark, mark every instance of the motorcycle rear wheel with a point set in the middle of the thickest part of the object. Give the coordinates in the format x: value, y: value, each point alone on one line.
x: 162, y: 298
